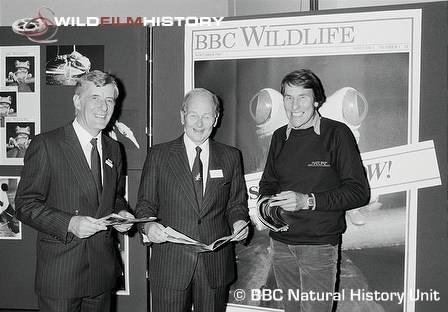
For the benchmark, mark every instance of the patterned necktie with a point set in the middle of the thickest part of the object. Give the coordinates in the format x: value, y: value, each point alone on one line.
x: 95, y: 165
x: 197, y: 176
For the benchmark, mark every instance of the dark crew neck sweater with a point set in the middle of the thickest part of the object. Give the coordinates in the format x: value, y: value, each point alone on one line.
x: 328, y: 165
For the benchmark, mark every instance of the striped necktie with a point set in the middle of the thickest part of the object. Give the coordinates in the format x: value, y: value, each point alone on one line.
x: 95, y: 166
x: 198, y: 176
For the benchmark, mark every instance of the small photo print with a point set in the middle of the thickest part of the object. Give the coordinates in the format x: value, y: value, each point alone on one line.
x: 66, y: 63
x: 20, y: 72
x: 10, y: 227
x: 8, y: 105
x: 18, y: 138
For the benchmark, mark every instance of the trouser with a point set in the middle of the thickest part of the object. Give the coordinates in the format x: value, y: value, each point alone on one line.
x: 198, y: 293
x: 100, y: 303
x: 306, y: 274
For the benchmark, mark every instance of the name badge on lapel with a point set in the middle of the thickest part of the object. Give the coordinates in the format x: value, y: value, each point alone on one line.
x: 216, y: 174
x: 109, y: 163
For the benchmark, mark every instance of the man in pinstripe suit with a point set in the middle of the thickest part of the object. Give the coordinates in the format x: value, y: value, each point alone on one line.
x: 180, y: 275
x: 58, y: 195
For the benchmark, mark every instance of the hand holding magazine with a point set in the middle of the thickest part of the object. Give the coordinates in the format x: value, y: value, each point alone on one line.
x: 115, y: 219
x: 174, y: 236
x: 269, y: 214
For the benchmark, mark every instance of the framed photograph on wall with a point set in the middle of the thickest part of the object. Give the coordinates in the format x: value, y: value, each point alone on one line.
x: 10, y: 227
x: 18, y: 136
x: 21, y: 72
x: 8, y: 103
x: 66, y: 63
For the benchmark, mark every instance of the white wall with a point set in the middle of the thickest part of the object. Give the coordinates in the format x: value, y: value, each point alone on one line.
x: 252, y: 7
x: 340, y: 4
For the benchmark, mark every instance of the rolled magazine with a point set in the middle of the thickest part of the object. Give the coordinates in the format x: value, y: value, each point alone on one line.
x: 269, y: 214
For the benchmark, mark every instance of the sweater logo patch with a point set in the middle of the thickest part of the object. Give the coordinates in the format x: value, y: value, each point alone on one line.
x: 319, y: 163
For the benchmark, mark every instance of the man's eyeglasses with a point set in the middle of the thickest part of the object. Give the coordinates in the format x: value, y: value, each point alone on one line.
x: 193, y: 118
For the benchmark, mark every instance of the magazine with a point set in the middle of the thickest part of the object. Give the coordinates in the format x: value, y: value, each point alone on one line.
x: 179, y: 238
x: 115, y: 219
x: 269, y: 215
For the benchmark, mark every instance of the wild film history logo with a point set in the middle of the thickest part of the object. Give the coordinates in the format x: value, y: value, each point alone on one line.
x: 40, y: 29
x: 44, y: 26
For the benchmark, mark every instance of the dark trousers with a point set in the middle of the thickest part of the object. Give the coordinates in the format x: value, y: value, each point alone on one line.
x: 100, y: 303
x: 198, y: 293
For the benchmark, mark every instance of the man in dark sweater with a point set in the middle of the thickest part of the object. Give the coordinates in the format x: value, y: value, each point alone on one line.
x: 314, y: 173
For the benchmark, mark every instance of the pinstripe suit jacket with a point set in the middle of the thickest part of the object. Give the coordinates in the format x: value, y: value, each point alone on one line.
x: 56, y: 184
x: 167, y: 191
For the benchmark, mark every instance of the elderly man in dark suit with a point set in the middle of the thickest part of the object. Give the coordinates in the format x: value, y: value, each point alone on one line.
x: 72, y: 177
x: 195, y: 186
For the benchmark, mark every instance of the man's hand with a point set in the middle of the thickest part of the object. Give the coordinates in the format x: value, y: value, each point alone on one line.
x: 84, y: 227
x: 244, y: 232
x: 290, y: 201
x: 155, y: 232
x: 255, y: 220
x: 124, y: 227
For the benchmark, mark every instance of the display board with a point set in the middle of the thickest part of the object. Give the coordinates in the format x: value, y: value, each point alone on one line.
x: 54, y: 68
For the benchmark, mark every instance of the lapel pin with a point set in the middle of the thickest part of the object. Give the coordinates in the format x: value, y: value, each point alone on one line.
x: 109, y: 163
x: 198, y: 177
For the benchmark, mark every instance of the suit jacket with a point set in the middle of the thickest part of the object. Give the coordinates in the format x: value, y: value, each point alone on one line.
x: 167, y: 192
x: 56, y: 184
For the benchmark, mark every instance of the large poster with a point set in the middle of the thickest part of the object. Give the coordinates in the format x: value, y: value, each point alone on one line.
x: 369, y: 64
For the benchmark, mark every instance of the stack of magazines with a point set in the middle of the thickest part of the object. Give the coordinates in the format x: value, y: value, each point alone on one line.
x: 269, y: 214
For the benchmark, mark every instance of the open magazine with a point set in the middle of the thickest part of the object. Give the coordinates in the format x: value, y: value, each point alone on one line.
x: 179, y: 238
x: 269, y: 215
x: 115, y: 219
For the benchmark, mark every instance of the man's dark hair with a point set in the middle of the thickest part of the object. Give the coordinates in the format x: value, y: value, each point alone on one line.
x: 307, y: 79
